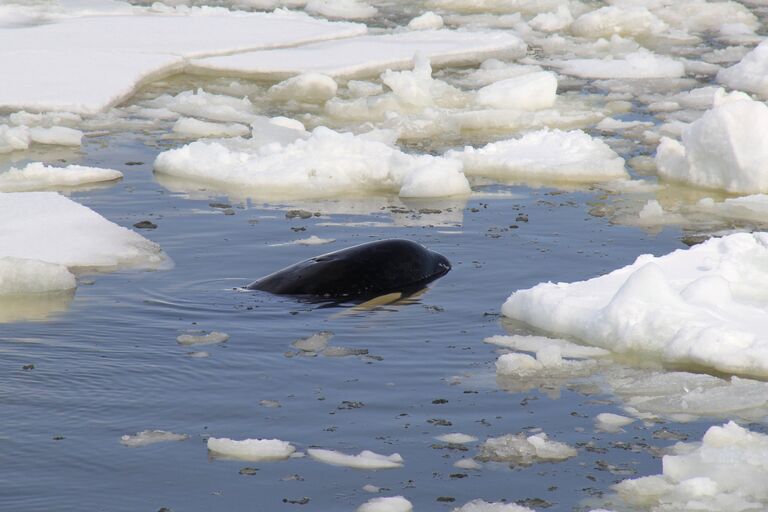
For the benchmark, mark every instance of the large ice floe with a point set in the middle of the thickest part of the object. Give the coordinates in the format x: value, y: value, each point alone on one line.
x: 723, y: 149
x: 322, y: 163
x: 86, y: 64
x: 704, y: 306
x: 367, y: 55
x: 727, y: 470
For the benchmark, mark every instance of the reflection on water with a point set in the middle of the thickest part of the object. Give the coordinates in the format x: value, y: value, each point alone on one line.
x: 34, y: 307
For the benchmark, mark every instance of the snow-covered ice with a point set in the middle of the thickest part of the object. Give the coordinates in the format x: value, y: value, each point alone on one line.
x: 368, y: 55
x: 727, y: 470
x: 38, y: 176
x: 147, y: 437
x: 701, y: 306
x: 49, y: 227
x: 25, y: 276
x: 525, y: 450
x: 546, y: 155
x: 386, y: 504
x: 250, y: 449
x: 363, y: 460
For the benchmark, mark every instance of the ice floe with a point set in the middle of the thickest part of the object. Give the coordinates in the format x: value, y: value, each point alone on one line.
x: 530, y: 91
x: 202, y: 338
x: 456, y: 438
x: 29, y: 276
x: 609, y: 422
x: 16, y: 138
x: 750, y: 73
x: 386, y: 504
x: 725, y: 471
x: 480, y: 505
x: 545, y: 155
x: 37, y: 176
x: 325, y: 163
x: 86, y: 64
x: 49, y: 227
x: 364, y: 460
x: 721, y: 150
x: 524, y: 450
x: 701, y: 306
x: 250, y: 449
x: 147, y: 437
x: 367, y: 55
x: 640, y: 64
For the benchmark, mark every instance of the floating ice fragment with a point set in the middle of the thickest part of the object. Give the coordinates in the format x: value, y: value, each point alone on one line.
x: 390, y: 504
x: 364, y: 460
x: 250, y: 449
x: 37, y: 176
x: 343, y: 9
x: 428, y: 20
x: 640, y: 64
x: 456, y: 438
x: 467, y: 464
x: 190, y: 127
x: 750, y: 73
x: 315, y: 343
x: 202, y: 339
x: 27, y: 276
x: 307, y: 87
x: 536, y: 343
x: 530, y: 91
x: 524, y: 450
x: 609, y: 422
x: 480, y: 505
x: 146, y: 437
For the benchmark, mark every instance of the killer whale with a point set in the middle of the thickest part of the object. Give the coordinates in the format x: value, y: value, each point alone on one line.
x: 359, y: 272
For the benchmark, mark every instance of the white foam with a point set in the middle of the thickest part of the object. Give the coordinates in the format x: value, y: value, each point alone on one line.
x: 388, y: 504
x: 49, y: 227
x: 368, y: 55
x: 701, y: 306
x: 721, y: 150
x: 250, y: 449
x: 545, y: 154
x: 326, y: 163
x: 147, y: 437
x: 364, y: 460
x: 525, y: 450
x: 726, y: 471
x: 37, y: 176
x: 87, y: 64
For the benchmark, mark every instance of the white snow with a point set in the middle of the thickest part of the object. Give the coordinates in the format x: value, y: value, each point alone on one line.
x: 726, y: 471
x: 456, y: 438
x: 37, y: 176
x: 531, y: 91
x: 86, y: 64
x: 49, y: 227
x: 250, y: 449
x: 640, y: 64
x: 147, y: 437
x: 703, y: 306
x: 387, y: 504
x: 325, y: 164
x: 545, y: 154
x: 21, y: 276
x: 611, y: 423
x: 722, y: 150
x: 364, y: 460
x: 368, y: 55
x: 525, y: 450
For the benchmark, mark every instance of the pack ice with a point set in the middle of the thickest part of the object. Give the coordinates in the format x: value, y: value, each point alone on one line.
x: 704, y: 306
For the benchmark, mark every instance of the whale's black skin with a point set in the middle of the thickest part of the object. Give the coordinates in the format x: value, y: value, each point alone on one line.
x: 363, y: 271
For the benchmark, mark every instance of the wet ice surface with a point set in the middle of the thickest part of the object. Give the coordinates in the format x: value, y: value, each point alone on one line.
x: 406, y: 382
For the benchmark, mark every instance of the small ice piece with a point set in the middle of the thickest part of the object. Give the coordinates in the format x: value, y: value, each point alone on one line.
x: 201, y: 104
x: 199, y: 354
x: 22, y: 276
x: 524, y: 450
x: 371, y: 488
x: 722, y: 150
x: 364, y: 460
x: 38, y: 176
x: 536, y: 343
x: 545, y: 154
x: 269, y: 403
x: 753, y: 207
x: 146, y: 437
x: 531, y: 91
x: 307, y: 87
x: 344, y: 351
x: 315, y: 343
x: 623, y: 20
x: 426, y: 21
x: 611, y: 423
x: 315, y: 240
x: 343, y: 9
x: 250, y: 449
x: 56, y: 135
x: 13, y: 138
x: 456, y: 438
x: 552, y: 21
x: 49, y: 227
x: 388, y: 504
x: 480, y: 505
x: 640, y: 64
x: 519, y: 365
x: 202, y: 338
x: 190, y: 127
x: 467, y: 464
x: 726, y: 471
x: 750, y: 74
